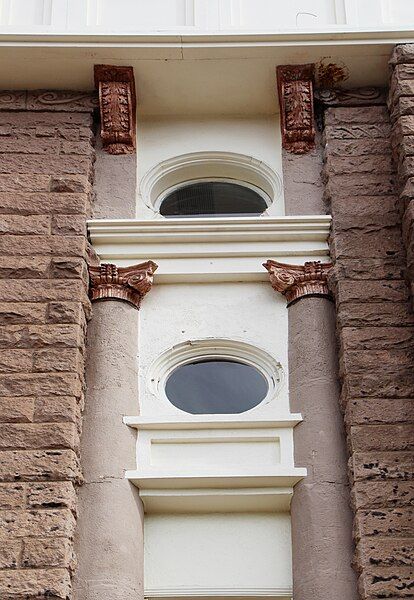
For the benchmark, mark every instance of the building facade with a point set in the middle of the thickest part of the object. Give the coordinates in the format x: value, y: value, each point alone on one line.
x: 206, y: 343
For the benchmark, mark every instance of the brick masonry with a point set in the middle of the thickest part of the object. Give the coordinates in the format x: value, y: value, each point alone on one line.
x: 375, y: 327
x: 46, y: 170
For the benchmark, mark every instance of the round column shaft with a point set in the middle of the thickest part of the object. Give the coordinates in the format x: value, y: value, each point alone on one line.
x: 322, y: 547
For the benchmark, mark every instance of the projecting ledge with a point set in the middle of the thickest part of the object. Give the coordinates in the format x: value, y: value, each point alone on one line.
x: 214, y: 422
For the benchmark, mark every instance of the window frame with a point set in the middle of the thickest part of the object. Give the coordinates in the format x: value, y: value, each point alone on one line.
x: 162, y: 197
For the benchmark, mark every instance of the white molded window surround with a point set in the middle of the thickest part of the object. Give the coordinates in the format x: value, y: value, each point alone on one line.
x: 241, y: 377
x: 255, y: 183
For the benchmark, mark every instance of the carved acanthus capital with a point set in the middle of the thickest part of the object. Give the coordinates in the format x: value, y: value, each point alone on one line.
x: 295, y: 87
x: 296, y: 281
x: 116, y: 87
x: 123, y: 283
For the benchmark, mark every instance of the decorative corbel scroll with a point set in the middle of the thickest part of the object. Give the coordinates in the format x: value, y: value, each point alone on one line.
x: 296, y: 281
x: 295, y: 87
x: 123, y: 283
x: 116, y: 87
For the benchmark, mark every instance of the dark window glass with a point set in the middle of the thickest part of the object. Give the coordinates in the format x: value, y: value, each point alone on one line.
x: 212, y: 198
x: 216, y: 387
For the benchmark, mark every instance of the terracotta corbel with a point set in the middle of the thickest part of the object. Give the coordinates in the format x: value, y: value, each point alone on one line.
x: 297, y: 281
x: 107, y: 281
x: 117, y: 104
x: 295, y: 87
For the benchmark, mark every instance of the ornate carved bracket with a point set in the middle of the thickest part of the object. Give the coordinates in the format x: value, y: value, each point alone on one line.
x: 123, y: 283
x: 297, y: 281
x: 116, y: 87
x: 295, y: 87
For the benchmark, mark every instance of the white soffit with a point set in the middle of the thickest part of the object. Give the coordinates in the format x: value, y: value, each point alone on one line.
x: 171, y: 70
x: 211, y: 249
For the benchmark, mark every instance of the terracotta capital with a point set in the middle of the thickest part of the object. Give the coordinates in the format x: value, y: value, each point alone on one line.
x: 117, y: 104
x: 297, y: 281
x: 130, y: 284
x: 295, y: 87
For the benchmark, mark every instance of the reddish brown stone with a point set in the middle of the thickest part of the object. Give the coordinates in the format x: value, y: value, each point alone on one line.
x: 382, y: 465
x: 382, y: 437
x: 379, y: 410
x: 380, y: 494
x: 60, y: 409
x: 47, y: 552
x: 10, y: 554
x: 41, y: 203
x: 37, y: 435
x: 39, y: 465
x: 54, y: 495
x: 16, y: 410
x: 35, y: 583
x: 41, y: 336
x: 12, y: 495
x: 12, y: 313
x: 396, y: 522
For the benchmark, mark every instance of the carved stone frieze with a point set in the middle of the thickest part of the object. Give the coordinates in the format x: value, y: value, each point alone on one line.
x: 116, y: 87
x: 295, y: 87
x: 107, y: 281
x: 296, y: 281
x: 62, y: 100
x: 12, y: 100
x: 355, y: 97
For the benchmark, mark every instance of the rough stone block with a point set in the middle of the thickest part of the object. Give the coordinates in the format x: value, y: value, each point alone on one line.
x: 10, y: 554
x: 24, y: 183
x: 382, y: 437
x: 384, y: 522
x: 16, y: 410
x: 382, y: 494
x: 12, y: 496
x: 38, y: 465
x: 26, y: 436
x: 52, y: 409
x: 55, y: 245
x: 35, y: 384
x: 69, y: 225
x: 25, y: 225
x: 41, y: 336
x: 376, y: 338
x: 28, y: 267
x: 15, y: 361
x: 53, y: 495
x: 47, y: 552
x: 66, y: 312
x: 382, y: 465
x: 379, y: 410
x: 12, y: 313
x: 27, y: 584
x: 43, y: 203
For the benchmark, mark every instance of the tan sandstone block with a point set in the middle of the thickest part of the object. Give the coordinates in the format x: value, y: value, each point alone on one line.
x: 35, y: 583
x: 38, y: 465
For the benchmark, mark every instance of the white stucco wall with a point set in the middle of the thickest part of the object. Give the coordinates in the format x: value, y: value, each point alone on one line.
x: 163, y: 139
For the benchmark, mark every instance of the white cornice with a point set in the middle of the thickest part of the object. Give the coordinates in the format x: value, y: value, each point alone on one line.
x: 222, y: 249
x: 232, y: 592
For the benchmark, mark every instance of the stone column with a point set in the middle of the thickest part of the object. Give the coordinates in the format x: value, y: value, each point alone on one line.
x: 110, y: 529
x: 320, y: 512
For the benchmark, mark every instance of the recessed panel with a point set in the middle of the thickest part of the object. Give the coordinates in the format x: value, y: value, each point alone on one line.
x: 215, y: 453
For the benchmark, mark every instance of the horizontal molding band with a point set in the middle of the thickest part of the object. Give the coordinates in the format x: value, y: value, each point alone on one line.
x: 197, y: 422
x: 217, y: 592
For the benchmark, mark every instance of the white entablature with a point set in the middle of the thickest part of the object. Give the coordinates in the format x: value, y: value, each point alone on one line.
x: 186, y: 16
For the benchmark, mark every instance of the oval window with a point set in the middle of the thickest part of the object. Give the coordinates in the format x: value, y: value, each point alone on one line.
x: 216, y: 386
x: 213, y: 198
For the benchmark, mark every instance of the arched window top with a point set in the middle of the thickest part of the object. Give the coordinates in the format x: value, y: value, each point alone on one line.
x: 241, y: 184
x: 217, y: 197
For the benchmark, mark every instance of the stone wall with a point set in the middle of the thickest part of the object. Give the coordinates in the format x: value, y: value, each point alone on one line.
x: 401, y: 106
x: 46, y: 169
x: 375, y: 328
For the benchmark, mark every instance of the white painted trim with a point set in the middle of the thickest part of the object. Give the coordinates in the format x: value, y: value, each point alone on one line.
x: 218, y: 592
x: 211, y: 249
x: 276, y: 477
x: 182, y: 169
x: 212, y: 348
x: 198, y: 422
